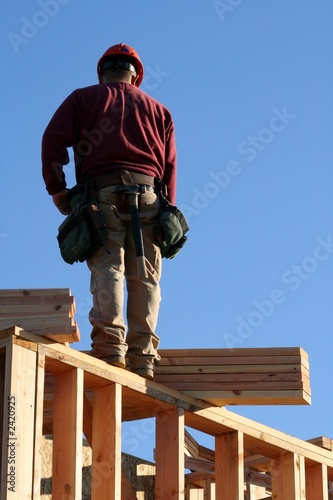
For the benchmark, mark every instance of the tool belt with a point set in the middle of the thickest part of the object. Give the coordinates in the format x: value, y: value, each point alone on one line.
x: 83, y: 231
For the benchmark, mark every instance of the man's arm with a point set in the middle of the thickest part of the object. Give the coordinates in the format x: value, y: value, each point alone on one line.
x: 61, y: 201
x: 59, y: 135
x: 170, y: 171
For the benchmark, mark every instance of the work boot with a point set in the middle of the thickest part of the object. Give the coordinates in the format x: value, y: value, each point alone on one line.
x: 147, y: 373
x: 110, y: 360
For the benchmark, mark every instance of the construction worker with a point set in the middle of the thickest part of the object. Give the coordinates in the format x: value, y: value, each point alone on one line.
x: 123, y: 140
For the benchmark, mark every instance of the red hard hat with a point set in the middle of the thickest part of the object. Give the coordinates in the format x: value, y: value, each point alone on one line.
x: 122, y: 50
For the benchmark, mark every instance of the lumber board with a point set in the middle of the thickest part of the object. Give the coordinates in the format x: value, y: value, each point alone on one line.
x: 18, y: 424
x: 229, y: 465
x: 169, y: 455
x: 106, y: 439
x: 316, y: 482
x: 190, y: 445
x: 38, y: 435
x: 13, y: 311
x: 45, y: 312
x: 254, y: 376
x: 288, y: 476
x: 33, y: 292
x: 67, y: 435
x: 241, y: 351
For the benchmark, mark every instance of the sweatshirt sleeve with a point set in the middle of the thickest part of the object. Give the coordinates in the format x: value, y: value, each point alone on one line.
x: 170, y: 170
x: 59, y: 135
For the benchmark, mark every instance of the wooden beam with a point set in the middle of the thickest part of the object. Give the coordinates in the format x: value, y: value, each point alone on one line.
x: 316, y: 482
x: 229, y: 466
x: 2, y: 400
x: 67, y: 434
x: 288, y: 477
x: 33, y: 292
x: 169, y: 455
x: 18, y: 423
x: 209, y: 488
x: 106, y: 443
x: 38, y: 436
x: 87, y: 419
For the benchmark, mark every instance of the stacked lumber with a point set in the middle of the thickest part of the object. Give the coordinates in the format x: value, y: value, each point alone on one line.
x: 45, y: 312
x: 243, y: 376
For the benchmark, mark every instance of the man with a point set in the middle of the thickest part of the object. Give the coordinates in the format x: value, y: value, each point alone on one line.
x: 123, y: 140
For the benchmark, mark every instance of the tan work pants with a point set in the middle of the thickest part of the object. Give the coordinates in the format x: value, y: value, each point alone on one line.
x: 108, y: 273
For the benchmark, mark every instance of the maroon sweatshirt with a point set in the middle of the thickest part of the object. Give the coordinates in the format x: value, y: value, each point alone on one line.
x: 110, y: 126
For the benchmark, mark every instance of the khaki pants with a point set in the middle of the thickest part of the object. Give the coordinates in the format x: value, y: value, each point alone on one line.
x: 108, y: 273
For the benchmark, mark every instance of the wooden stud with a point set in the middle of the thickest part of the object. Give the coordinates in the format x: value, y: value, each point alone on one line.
x: 229, y: 466
x: 106, y: 443
x: 169, y: 455
x: 38, y: 437
x: 87, y: 419
x: 18, y: 423
x: 67, y: 435
x: 194, y: 492
x: 209, y: 489
x: 288, y: 477
x: 2, y: 398
x: 316, y: 482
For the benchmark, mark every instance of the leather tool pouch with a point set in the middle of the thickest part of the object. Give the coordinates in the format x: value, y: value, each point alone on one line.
x: 171, y: 229
x: 81, y: 233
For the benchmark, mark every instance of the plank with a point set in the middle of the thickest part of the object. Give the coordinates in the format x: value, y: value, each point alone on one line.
x: 106, y: 443
x: 316, y: 482
x: 229, y: 466
x: 323, y: 442
x: 61, y: 334
x: 87, y: 419
x: 2, y: 400
x: 36, y: 322
x: 288, y: 477
x: 22, y: 300
x: 67, y: 435
x: 190, y: 445
x: 236, y: 386
x: 220, y: 378
x: 239, y: 351
x: 38, y: 436
x: 169, y: 455
x: 33, y: 292
x: 231, y: 368
x: 18, y: 423
x: 13, y: 311
x: 232, y: 360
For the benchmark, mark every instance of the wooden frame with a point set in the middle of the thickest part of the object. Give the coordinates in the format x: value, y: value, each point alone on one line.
x: 64, y: 391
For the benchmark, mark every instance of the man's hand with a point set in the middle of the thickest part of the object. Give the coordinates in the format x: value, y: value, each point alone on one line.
x: 61, y: 201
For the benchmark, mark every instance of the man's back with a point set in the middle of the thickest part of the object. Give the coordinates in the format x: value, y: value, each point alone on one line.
x: 112, y: 125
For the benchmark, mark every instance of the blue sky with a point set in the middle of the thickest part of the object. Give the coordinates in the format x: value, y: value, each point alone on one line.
x: 249, y: 85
